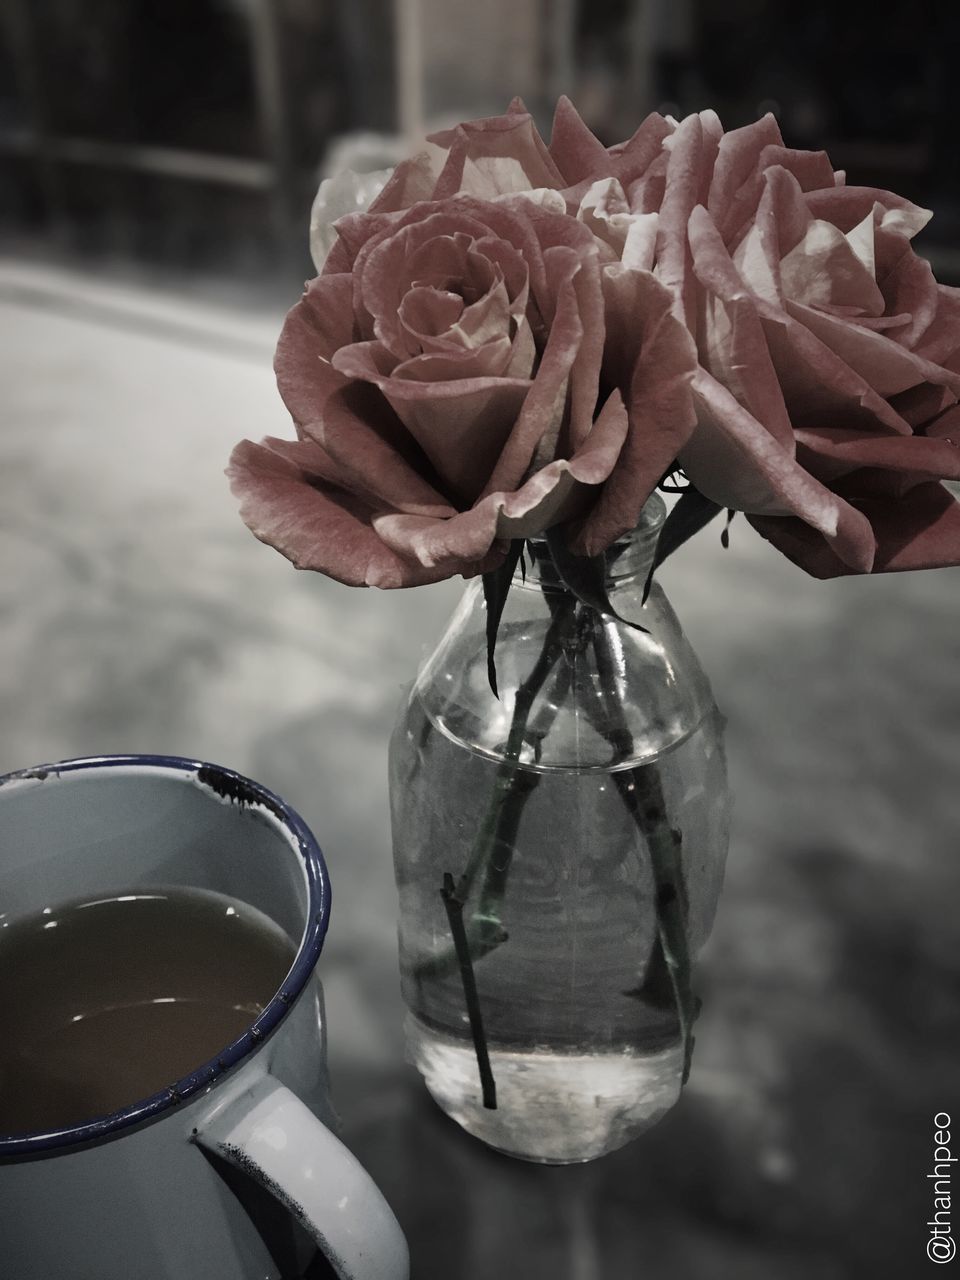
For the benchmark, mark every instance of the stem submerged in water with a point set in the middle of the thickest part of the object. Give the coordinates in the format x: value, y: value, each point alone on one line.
x: 498, y: 828
x: 453, y: 901
x: 493, y: 849
x: 641, y: 790
x: 494, y: 844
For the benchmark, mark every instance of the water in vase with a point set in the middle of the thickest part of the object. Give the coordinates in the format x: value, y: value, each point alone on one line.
x: 578, y: 1012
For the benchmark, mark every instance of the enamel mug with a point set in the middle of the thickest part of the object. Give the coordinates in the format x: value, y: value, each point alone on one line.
x: 231, y: 1173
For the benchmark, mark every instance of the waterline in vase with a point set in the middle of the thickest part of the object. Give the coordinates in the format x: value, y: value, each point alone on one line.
x: 553, y: 1107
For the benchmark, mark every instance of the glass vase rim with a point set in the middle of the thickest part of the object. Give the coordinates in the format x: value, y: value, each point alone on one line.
x: 626, y: 556
x: 653, y: 513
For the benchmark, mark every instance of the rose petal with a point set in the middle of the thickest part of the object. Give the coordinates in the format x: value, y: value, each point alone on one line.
x: 781, y: 223
x: 426, y: 314
x: 845, y: 207
x: 909, y: 288
x: 737, y: 162
x: 375, y: 454
x: 461, y: 425
x: 691, y: 159
x: 886, y: 366
x: 639, y: 250
x: 824, y: 270
x: 818, y: 387
x: 545, y: 198
x: 549, y: 496
x: 661, y: 414
x: 344, y: 192
x: 512, y: 271
x: 542, y: 412
x: 646, y: 192
x: 863, y: 241
x: 879, y: 324
x: 920, y: 530
x: 809, y: 169
x: 436, y: 323
x: 412, y: 181
x: 631, y: 238
x: 732, y: 459
x: 428, y: 251
x: 584, y: 380
x: 445, y: 249
x: 922, y: 403
x: 493, y: 157
x: 604, y: 209
x: 288, y: 501
x: 314, y: 330
x: 501, y: 220
x: 939, y: 342
x: 946, y: 426
x: 460, y: 365
x: 758, y: 265
x: 577, y: 154
x: 633, y: 160
x: 553, y: 494
x: 831, y: 453
x: 733, y: 345
x: 491, y: 269
x: 443, y: 258
x: 368, y: 361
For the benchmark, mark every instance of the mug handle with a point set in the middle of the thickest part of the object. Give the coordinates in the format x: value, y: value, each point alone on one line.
x: 267, y: 1132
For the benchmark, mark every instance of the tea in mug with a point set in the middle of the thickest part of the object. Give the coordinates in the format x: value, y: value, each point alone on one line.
x: 105, y: 1002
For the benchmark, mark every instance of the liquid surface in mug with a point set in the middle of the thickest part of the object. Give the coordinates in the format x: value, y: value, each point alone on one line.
x: 104, y: 1002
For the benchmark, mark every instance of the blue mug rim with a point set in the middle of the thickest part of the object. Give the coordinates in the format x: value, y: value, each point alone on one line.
x: 228, y: 785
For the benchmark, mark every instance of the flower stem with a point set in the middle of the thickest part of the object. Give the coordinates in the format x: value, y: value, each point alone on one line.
x: 641, y: 790
x: 498, y: 827
x: 453, y: 901
x: 497, y: 832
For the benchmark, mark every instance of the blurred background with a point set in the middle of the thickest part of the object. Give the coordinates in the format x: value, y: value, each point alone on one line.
x: 189, y: 134
x: 157, y: 165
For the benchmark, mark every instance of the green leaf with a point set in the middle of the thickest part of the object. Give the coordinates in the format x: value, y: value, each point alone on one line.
x: 584, y: 576
x: 496, y: 586
x: 691, y: 513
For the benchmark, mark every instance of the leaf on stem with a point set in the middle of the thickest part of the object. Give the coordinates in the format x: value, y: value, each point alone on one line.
x: 584, y: 576
x: 691, y: 513
x: 725, y: 532
x: 496, y: 586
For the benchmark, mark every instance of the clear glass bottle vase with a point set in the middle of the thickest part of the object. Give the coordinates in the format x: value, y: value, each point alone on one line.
x: 559, y: 854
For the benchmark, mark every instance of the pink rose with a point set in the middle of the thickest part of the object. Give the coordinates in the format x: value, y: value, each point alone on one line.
x: 824, y: 397
x: 829, y: 357
x: 474, y: 364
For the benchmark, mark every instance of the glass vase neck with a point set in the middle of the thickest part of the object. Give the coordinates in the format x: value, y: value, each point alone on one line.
x: 629, y: 557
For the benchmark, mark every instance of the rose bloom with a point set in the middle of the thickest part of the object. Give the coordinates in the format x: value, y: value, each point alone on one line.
x: 518, y: 335
x: 829, y: 357
x: 473, y: 365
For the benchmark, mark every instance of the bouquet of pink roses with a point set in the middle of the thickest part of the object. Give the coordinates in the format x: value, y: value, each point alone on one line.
x: 516, y: 336
x: 519, y: 341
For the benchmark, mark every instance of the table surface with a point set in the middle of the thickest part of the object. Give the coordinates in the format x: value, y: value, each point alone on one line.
x: 137, y: 614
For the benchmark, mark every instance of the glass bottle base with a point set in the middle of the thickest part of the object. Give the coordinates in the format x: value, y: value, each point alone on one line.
x: 552, y: 1108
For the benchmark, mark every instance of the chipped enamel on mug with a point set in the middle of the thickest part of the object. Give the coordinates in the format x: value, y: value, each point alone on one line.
x: 183, y: 1185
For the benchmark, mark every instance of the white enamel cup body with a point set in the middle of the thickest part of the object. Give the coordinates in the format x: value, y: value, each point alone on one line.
x: 231, y: 1173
